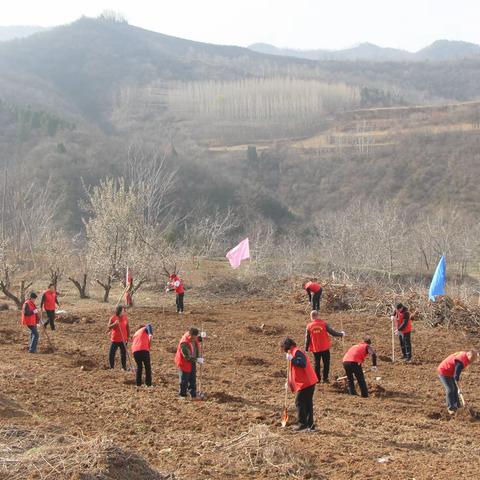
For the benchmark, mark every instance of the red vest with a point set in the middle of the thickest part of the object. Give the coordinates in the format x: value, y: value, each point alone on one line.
x: 314, y: 287
x: 447, y: 367
x: 180, y: 361
x: 357, y: 353
x: 119, y: 332
x: 301, y: 378
x: 399, y: 320
x: 49, y: 300
x: 319, y: 338
x: 140, y: 340
x: 29, y: 319
x: 179, y: 288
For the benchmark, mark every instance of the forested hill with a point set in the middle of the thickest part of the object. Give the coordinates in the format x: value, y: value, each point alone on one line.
x: 77, y: 100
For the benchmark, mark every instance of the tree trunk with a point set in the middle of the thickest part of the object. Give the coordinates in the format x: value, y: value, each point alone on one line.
x: 81, y: 287
x: 10, y: 295
x: 106, y: 287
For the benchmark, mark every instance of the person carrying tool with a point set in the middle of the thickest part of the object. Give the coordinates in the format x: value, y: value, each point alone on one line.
x: 352, y: 363
x: 141, y: 341
x: 301, y: 380
x: 317, y: 341
x: 403, y: 328
x: 314, y: 292
x: 186, y: 359
x: 176, y: 284
x: 47, y: 303
x: 30, y: 319
x: 119, y: 335
x: 449, y: 372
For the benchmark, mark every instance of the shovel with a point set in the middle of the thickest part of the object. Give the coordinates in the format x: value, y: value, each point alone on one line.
x: 285, y: 410
x: 460, y: 396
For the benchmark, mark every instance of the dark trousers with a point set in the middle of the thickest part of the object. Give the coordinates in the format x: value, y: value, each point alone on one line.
x: 316, y: 300
x: 142, y: 359
x: 325, y: 357
x: 351, y: 369
x: 451, y: 392
x: 50, y: 319
x: 406, y: 344
x: 304, y: 404
x: 179, y: 302
x: 188, y: 381
x: 123, y: 354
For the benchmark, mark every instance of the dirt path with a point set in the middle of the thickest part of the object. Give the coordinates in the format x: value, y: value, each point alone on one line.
x: 405, y: 423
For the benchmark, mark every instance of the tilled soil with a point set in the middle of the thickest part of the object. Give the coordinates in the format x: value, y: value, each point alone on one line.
x: 401, y: 432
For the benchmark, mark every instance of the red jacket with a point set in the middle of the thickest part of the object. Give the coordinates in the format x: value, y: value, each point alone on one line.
x: 399, y: 317
x: 177, y: 284
x: 314, y: 287
x: 319, y: 338
x: 447, y: 367
x: 180, y: 361
x: 301, y: 378
x: 49, y: 300
x: 119, y: 332
x: 141, y: 340
x: 357, y: 353
x: 29, y: 313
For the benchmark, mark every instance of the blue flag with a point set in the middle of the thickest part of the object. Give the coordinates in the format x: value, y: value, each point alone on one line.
x: 437, y: 287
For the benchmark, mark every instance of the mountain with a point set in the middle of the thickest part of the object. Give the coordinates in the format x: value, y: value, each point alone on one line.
x: 441, y: 50
x: 18, y: 31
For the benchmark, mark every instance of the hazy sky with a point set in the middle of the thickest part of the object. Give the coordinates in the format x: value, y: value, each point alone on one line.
x: 409, y: 24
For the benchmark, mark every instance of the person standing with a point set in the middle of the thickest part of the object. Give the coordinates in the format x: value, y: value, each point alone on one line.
x: 176, y: 284
x: 314, y: 292
x: 403, y: 327
x: 47, y: 303
x: 352, y: 363
x: 301, y: 380
x: 186, y: 359
x: 449, y: 372
x: 119, y: 335
x: 141, y: 341
x: 317, y: 341
x: 30, y: 319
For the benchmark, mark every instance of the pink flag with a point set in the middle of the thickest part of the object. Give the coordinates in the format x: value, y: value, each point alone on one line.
x: 239, y: 253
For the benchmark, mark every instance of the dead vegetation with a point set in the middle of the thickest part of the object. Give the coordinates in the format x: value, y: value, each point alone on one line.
x: 32, y: 454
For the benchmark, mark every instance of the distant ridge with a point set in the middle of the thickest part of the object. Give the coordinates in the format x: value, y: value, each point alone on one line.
x: 440, y: 50
x: 18, y: 31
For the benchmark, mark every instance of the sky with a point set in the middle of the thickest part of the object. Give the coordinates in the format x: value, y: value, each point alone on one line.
x: 301, y: 24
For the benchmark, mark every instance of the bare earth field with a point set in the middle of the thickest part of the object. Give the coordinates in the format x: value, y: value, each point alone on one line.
x: 236, y: 433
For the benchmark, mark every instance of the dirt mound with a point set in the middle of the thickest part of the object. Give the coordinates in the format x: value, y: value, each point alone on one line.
x: 55, y: 455
x: 260, y: 451
x: 10, y: 409
x: 266, y: 329
x: 248, y: 360
x: 69, y: 319
x: 8, y: 336
x: 222, y: 397
x: 377, y: 390
x: 85, y: 363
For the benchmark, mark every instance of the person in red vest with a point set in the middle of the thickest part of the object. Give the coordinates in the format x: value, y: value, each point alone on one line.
x: 141, y: 353
x: 301, y: 380
x: 403, y: 328
x: 317, y: 341
x: 352, y: 363
x: 314, y: 292
x: 47, y: 303
x: 176, y: 284
x: 119, y: 335
x: 449, y: 373
x: 186, y: 359
x: 30, y: 319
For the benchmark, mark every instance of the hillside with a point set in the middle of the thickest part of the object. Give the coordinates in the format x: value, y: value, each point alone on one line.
x: 74, y: 99
x: 18, y: 31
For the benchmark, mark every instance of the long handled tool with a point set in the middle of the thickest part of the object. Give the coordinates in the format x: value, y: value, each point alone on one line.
x: 393, y: 340
x: 460, y: 396
x: 200, y: 393
x: 50, y: 343
x: 129, y: 360
x: 285, y: 409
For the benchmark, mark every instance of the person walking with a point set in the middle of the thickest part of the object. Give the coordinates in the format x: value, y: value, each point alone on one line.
x: 176, y: 284
x: 141, y: 341
x: 352, y: 363
x: 317, y: 341
x: 403, y: 328
x: 449, y: 372
x: 186, y: 359
x: 47, y: 303
x: 119, y: 335
x: 314, y: 292
x: 30, y: 319
x: 301, y: 380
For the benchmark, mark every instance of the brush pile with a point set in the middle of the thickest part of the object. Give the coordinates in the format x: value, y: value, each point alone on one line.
x: 29, y: 454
